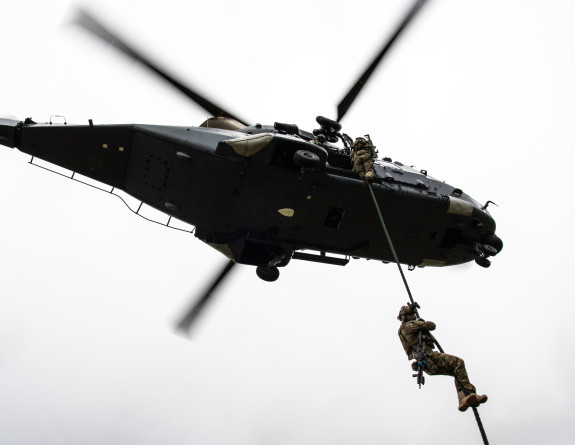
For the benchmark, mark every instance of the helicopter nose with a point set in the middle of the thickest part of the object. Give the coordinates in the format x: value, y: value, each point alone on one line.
x: 492, y: 244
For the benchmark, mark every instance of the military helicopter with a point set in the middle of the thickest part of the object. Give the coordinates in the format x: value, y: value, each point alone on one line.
x: 263, y: 195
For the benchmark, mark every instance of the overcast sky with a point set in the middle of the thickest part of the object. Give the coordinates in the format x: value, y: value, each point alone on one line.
x: 481, y: 94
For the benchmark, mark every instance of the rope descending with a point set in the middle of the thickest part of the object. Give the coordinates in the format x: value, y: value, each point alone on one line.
x: 415, y: 306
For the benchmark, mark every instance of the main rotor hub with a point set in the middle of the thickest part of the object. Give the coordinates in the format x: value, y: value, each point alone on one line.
x: 328, y: 128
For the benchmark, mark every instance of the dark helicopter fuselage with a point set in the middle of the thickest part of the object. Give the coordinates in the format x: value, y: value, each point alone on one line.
x: 250, y: 198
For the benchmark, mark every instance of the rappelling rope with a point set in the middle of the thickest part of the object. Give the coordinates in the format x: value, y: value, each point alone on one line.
x: 396, y: 258
x: 474, y: 408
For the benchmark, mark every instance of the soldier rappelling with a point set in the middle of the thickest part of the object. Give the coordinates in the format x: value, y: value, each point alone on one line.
x: 419, y: 344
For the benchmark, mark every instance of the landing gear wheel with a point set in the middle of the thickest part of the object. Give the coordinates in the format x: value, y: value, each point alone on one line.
x: 268, y: 273
x: 306, y: 159
x: 482, y: 261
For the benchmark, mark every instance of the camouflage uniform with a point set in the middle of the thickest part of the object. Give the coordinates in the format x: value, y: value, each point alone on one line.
x: 362, y: 158
x: 436, y: 363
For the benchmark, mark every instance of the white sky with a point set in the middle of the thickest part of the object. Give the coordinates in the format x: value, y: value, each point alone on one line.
x: 480, y: 94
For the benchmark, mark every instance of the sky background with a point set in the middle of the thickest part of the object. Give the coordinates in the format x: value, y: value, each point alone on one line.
x: 481, y: 94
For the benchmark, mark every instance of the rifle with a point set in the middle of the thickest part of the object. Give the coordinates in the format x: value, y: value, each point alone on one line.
x: 374, y: 151
x: 420, y: 357
x: 420, y: 354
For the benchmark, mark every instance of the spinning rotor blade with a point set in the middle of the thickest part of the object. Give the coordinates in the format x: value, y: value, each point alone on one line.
x: 196, y: 310
x: 88, y: 22
x: 346, y: 102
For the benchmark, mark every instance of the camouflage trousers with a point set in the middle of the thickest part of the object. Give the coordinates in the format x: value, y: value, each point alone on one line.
x: 363, y: 163
x: 439, y: 363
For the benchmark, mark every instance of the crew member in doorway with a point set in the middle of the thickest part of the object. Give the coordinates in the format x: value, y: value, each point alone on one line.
x: 436, y: 363
x: 362, y: 154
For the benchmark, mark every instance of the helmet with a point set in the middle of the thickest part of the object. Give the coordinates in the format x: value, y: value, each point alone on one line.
x: 360, y: 142
x: 405, y: 311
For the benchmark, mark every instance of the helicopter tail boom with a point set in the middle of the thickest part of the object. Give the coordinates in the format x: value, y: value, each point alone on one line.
x: 9, y: 132
x: 98, y: 152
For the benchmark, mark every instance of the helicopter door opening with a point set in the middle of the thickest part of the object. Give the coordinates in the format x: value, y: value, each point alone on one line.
x: 339, y: 160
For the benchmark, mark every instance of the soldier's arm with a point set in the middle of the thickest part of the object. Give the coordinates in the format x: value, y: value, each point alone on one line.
x: 363, y: 155
x: 416, y: 326
x: 426, y: 325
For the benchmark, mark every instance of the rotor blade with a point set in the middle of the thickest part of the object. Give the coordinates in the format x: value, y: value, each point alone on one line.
x: 201, y: 303
x: 89, y: 22
x: 350, y: 97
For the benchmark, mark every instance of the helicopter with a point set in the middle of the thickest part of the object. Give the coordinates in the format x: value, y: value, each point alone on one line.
x: 263, y: 195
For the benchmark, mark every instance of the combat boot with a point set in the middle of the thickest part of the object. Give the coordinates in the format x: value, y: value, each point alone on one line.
x: 466, y: 401
x: 481, y: 399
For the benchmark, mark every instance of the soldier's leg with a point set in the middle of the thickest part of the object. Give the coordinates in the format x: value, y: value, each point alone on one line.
x: 446, y: 364
x: 368, y: 167
x: 363, y: 157
x: 466, y: 392
x: 358, y: 167
x: 460, y: 373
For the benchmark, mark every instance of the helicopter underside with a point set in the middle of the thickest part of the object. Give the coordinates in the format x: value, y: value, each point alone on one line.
x: 249, y: 198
